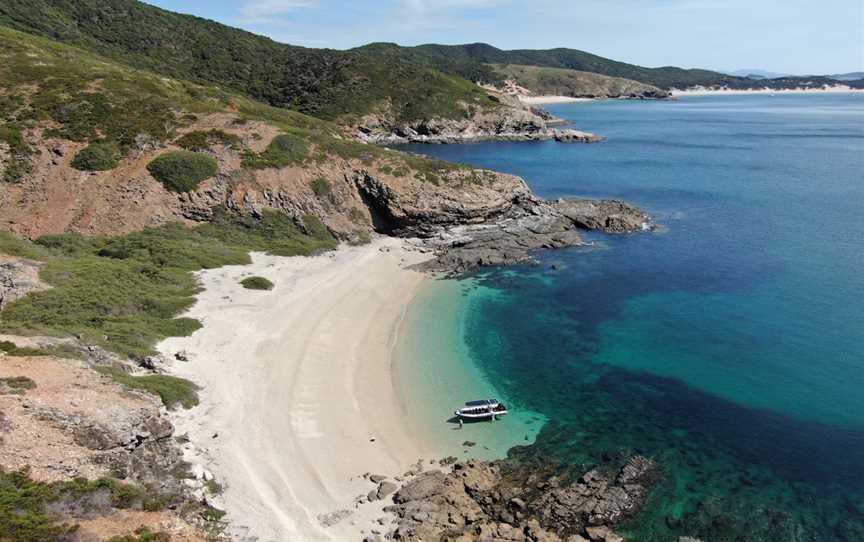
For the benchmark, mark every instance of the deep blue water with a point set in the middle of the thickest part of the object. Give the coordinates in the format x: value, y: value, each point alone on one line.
x: 730, y: 345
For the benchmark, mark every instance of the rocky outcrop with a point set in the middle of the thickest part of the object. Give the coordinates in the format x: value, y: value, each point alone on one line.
x: 507, y: 501
x: 526, y: 225
x: 18, y: 277
x: 511, y: 121
x: 610, y: 216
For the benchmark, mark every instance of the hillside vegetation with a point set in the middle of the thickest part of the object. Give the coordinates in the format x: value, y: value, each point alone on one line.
x: 471, y: 61
x: 327, y: 84
x: 564, y: 82
x: 125, y: 293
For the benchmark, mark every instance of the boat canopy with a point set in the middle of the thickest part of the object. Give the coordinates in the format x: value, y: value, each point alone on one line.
x: 481, y: 402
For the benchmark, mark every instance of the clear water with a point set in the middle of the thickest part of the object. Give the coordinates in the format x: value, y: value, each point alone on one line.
x: 729, y: 346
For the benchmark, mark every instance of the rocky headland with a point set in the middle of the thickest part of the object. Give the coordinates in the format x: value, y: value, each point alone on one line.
x: 511, y: 121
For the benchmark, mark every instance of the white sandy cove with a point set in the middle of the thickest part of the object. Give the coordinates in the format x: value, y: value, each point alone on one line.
x: 297, y: 388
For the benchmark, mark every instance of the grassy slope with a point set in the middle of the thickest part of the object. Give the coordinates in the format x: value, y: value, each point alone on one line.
x: 564, y: 82
x: 328, y: 84
x: 125, y: 293
x: 468, y: 59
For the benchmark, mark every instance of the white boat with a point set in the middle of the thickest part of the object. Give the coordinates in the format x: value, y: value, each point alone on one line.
x: 481, y: 410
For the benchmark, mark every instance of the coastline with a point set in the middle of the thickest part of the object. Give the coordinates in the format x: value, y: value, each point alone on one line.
x: 300, y: 397
x: 840, y: 89
x: 548, y: 100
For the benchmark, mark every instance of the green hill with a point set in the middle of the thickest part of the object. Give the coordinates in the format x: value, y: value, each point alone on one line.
x: 328, y: 84
x: 472, y: 62
x: 465, y: 59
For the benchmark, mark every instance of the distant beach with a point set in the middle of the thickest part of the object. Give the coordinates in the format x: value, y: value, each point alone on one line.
x: 839, y: 89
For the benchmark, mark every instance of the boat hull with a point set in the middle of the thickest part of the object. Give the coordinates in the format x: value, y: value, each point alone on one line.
x: 480, y: 415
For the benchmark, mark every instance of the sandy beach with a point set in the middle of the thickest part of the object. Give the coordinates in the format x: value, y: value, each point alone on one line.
x: 297, y: 400
x: 839, y: 89
x: 546, y: 100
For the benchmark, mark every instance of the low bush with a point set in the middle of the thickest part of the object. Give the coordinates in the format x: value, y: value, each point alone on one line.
x: 11, y: 349
x: 18, y: 163
x: 283, y: 151
x: 97, y: 157
x: 321, y: 187
x: 182, y: 171
x: 256, y: 283
x: 18, y: 383
x: 172, y: 390
x: 202, y: 141
x: 142, y: 534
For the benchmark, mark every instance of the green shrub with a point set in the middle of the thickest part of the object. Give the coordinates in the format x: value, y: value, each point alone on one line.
x: 172, y: 390
x: 256, y: 283
x: 18, y: 163
x: 283, y: 151
x: 11, y: 349
x: 142, y: 534
x: 183, y: 171
x: 321, y: 187
x: 18, y: 383
x: 202, y: 141
x: 97, y: 157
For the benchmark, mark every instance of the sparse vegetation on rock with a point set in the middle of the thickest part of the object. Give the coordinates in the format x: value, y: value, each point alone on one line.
x: 183, y: 171
x: 29, y: 509
x: 256, y: 283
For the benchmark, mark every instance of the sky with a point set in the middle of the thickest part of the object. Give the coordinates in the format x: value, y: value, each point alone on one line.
x: 784, y: 36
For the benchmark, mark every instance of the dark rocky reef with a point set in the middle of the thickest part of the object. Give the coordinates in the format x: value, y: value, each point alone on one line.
x: 505, y: 500
x: 528, y: 225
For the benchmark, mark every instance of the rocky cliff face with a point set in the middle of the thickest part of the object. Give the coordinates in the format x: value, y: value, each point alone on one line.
x: 469, y: 217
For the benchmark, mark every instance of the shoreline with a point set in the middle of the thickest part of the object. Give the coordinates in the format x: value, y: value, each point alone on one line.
x: 842, y: 89
x: 300, y: 394
x: 548, y: 100
x: 297, y: 400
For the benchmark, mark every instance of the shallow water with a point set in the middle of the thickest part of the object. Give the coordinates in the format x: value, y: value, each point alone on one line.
x: 729, y: 345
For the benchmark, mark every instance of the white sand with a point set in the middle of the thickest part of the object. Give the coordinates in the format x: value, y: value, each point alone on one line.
x: 297, y: 384
x: 541, y: 100
x: 839, y: 89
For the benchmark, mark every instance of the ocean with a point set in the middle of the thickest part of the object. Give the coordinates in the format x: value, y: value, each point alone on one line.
x: 728, y: 345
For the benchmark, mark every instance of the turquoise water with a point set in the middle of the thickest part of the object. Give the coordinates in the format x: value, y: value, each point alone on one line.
x: 730, y: 345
